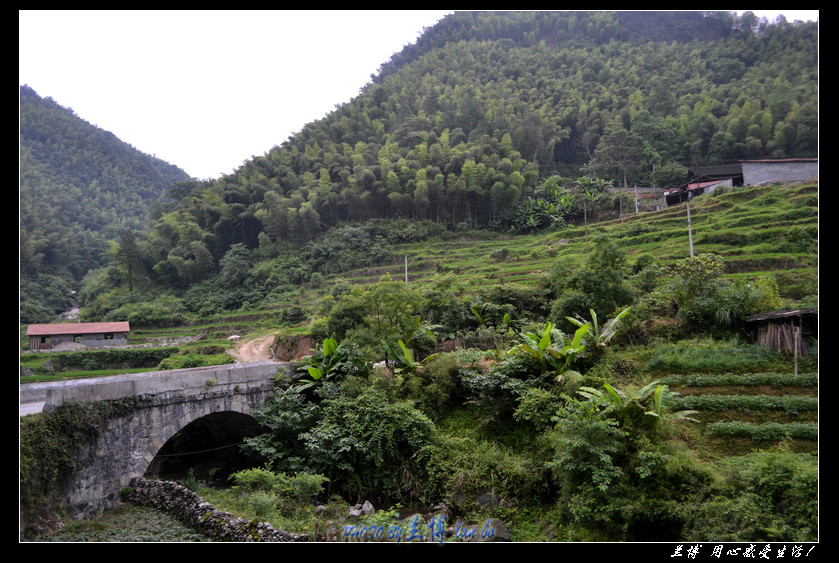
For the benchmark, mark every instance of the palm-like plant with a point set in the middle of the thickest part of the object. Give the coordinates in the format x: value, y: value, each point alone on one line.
x: 601, y: 337
x: 554, y: 349
x: 651, y: 400
x: 402, y: 357
x: 322, y: 363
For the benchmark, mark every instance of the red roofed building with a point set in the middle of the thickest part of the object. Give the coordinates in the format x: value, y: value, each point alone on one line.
x: 77, y: 335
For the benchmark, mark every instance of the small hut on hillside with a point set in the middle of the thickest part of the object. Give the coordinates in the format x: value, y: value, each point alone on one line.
x: 785, y: 331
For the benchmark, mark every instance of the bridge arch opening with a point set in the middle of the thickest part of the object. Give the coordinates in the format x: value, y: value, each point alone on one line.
x: 207, y: 448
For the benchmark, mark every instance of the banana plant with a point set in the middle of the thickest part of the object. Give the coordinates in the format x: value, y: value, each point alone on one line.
x: 652, y: 400
x: 553, y: 348
x: 601, y: 338
x: 477, y: 310
x: 661, y: 398
x: 618, y: 398
x: 321, y: 363
x: 324, y: 359
x: 402, y: 357
x: 505, y: 321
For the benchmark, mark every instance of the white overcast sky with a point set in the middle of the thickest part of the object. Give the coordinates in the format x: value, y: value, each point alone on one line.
x: 207, y: 90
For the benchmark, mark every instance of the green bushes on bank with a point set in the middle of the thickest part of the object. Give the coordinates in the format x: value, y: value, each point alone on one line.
x: 90, y: 360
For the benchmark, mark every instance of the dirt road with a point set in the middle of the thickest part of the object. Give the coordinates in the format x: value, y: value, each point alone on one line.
x: 254, y: 350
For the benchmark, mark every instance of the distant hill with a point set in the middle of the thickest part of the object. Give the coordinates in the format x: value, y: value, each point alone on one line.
x: 80, y: 186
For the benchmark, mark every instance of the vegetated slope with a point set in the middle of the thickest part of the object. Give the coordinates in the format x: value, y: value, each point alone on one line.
x: 744, y: 398
x: 769, y: 231
x: 757, y: 230
x: 94, y: 179
x: 747, y: 412
x: 80, y: 187
x: 465, y: 128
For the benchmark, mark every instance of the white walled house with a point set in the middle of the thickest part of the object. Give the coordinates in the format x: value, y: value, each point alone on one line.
x: 77, y: 335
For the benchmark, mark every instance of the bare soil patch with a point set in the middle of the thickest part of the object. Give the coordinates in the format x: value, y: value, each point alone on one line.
x: 254, y: 350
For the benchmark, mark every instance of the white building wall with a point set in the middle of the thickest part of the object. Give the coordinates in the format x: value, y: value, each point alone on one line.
x: 783, y: 171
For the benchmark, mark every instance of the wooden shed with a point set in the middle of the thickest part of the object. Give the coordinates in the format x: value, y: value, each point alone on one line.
x: 785, y: 331
x: 703, y: 179
x: 77, y: 335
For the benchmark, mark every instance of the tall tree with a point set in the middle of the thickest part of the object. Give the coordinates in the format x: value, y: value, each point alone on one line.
x: 618, y: 151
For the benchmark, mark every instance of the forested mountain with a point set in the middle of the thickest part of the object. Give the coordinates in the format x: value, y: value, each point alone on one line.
x: 489, y: 121
x: 80, y: 187
x: 462, y: 126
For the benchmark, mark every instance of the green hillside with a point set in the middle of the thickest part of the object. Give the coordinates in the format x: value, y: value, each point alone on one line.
x: 479, y: 319
x: 80, y: 189
x: 485, y: 408
x: 498, y: 122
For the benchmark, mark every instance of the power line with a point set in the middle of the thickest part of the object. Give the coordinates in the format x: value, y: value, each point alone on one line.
x: 200, y: 451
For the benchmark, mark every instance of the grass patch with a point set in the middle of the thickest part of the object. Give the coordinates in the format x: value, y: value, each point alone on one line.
x: 127, y: 523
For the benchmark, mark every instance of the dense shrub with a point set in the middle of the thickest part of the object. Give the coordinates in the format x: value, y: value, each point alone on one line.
x: 793, y: 404
x: 750, y: 379
x: 766, y: 496
x: 617, y: 478
x: 367, y: 445
x: 713, y: 356
x: 434, y: 386
x: 600, y: 284
x: 707, y: 301
x: 160, y: 310
x: 115, y: 358
x: 461, y: 470
x: 495, y: 391
x: 193, y: 360
x: 300, y: 487
x: 764, y: 432
x: 797, y: 285
x: 285, y: 415
x: 346, y: 247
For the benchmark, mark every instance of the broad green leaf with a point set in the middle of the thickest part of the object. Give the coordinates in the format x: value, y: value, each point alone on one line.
x: 613, y: 394
x: 579, y: 335
x: 577, y: 322
x: 657, y: 398
x: 329, y: 346
x: 546, y: 337
x: 594, y: 322
x: 315, y: 373
x: 590, y: 392
x: 409, y: 356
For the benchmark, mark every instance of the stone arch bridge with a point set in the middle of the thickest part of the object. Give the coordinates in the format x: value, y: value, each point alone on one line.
x: 223, y: 396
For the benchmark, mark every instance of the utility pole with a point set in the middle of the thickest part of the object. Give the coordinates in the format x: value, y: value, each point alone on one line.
x: 690, y: 232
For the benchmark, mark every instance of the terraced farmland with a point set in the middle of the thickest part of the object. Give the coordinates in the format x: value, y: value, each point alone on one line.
x: 766, y: 230
x: 757, y: 230
x: 742, y: 412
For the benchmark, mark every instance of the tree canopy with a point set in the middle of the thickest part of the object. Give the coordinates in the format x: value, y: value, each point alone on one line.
x: 486, y: 122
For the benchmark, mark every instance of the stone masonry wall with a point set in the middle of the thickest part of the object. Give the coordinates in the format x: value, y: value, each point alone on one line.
x: 192, y: 510
x: 127, y: 445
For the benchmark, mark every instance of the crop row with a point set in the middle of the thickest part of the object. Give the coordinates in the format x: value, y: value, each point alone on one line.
x: 790, y: 405
x: 764, y: 432
x: 746, y: 380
